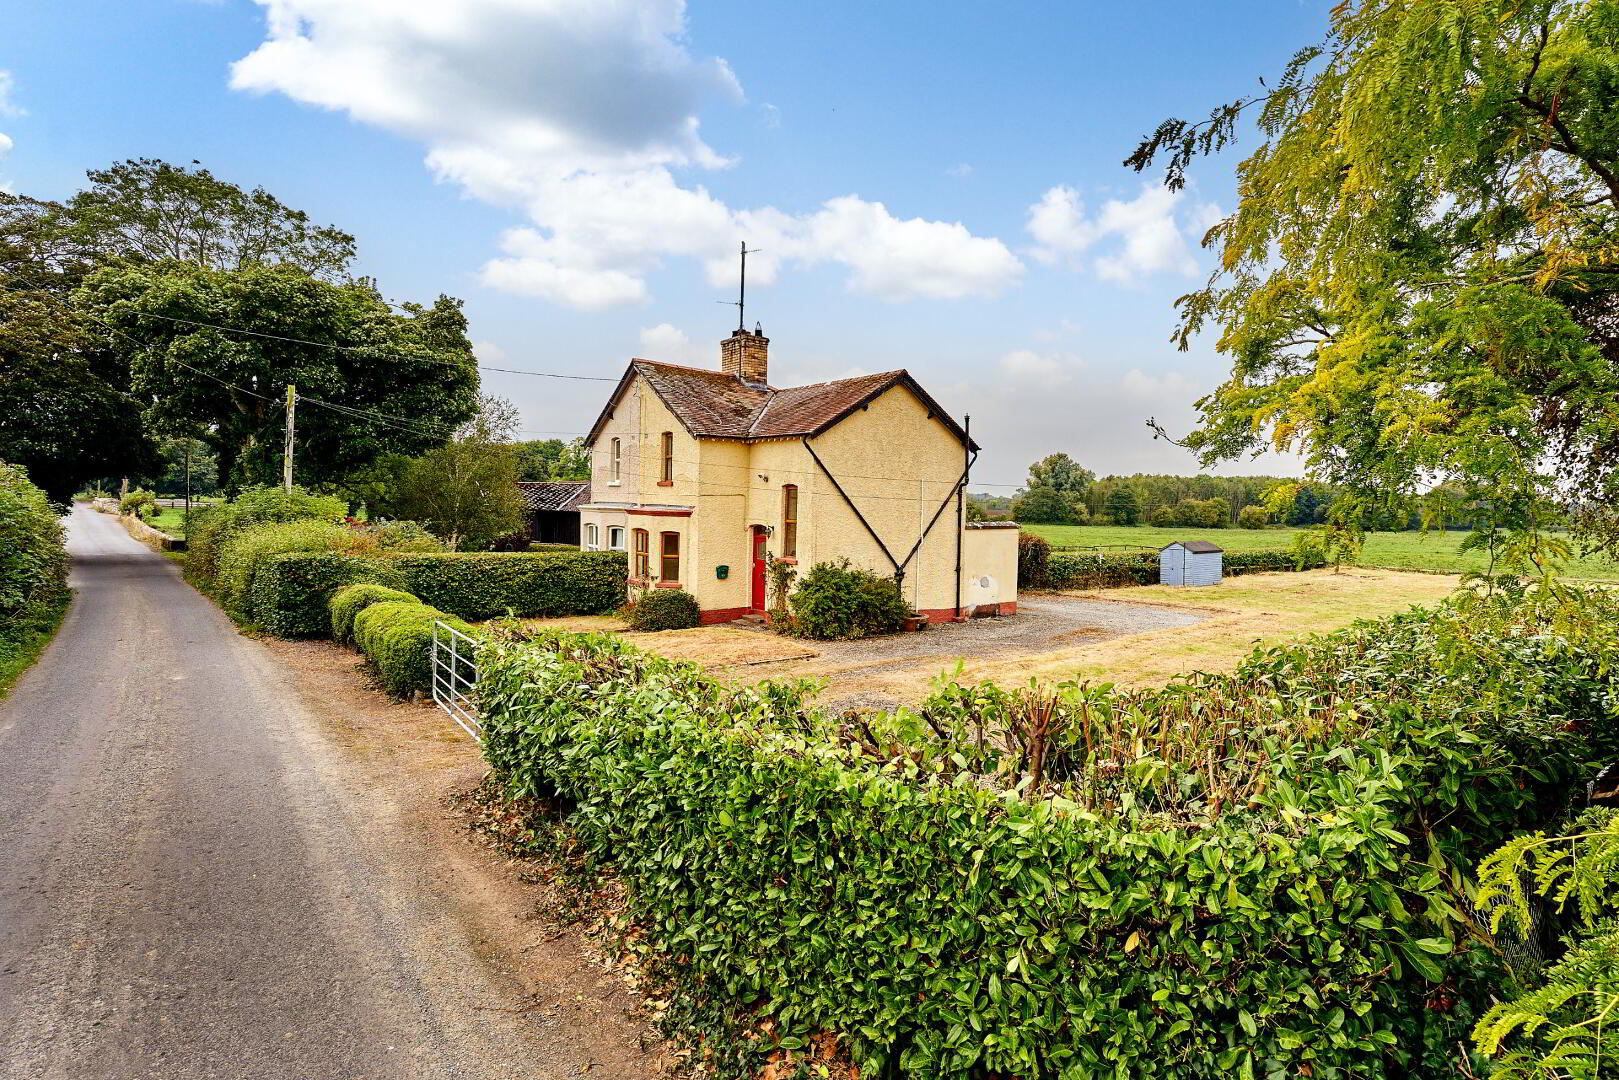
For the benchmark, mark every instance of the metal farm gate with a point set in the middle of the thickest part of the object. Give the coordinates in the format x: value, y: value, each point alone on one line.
x: 455, y: 677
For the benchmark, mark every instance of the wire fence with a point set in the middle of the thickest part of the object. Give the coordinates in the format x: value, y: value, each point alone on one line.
x: 455, y: 677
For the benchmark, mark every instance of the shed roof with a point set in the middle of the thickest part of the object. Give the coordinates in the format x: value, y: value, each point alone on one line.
x: 718, y: 405
x: 554, y: 494
x: 1196, y: 547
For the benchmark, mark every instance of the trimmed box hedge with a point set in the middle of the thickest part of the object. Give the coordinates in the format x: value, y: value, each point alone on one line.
x: 397, y: 637
x: 483, y: 585
x: 346, y: 603
x: 289, y: 592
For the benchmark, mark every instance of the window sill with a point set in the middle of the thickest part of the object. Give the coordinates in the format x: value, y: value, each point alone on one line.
x: 666, y: 483
x: 615, y: 483
x: 790, y: 560
x: 637, y: 582
x: 667, y: 585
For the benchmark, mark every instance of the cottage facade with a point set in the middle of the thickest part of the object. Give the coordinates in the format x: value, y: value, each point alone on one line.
x: 702, y: 475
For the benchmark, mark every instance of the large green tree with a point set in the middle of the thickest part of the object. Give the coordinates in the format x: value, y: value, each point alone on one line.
x: 1421, y: 279
x: 371, y: 381
x: 466, y: 490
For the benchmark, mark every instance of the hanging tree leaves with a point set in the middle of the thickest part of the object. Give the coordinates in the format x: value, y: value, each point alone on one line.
x: 1421, y: 280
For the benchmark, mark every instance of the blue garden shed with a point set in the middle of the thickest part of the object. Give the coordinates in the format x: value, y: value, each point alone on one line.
x: 1190, y: 562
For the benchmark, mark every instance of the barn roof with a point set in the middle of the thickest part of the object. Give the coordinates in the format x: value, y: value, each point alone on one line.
x: 554, y: 494
x: 718, y: 405
x: 1196, y: 547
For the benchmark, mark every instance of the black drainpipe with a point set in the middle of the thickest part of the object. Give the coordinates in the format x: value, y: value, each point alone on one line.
x: 961, y: 503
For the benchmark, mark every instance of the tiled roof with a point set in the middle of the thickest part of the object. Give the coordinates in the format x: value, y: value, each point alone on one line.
x: 721, y: 406
x: 554, y: 494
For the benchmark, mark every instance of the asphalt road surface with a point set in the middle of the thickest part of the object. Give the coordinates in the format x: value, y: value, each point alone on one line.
x: 191, y: 885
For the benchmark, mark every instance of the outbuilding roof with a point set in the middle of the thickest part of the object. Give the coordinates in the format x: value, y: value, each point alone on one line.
x: 718, y: 405
x: 1196, y: 547
x: 554, y: 494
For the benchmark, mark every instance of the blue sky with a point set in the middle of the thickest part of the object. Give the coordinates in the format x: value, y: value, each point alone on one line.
x: 935, y: 186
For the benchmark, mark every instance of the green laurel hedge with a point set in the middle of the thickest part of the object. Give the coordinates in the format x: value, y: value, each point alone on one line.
x: 348, y: 601
x: 396, y: 636
x: 1233, y: 876
x: 483, y: 585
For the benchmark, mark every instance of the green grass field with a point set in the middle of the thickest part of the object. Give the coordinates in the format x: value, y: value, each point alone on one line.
x: 1410, y: 550
x: 172, y: 521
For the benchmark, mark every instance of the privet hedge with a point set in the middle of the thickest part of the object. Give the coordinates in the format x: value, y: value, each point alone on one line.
x: 1247, y: 875
x: 397, y: 637
x: 483, y: 585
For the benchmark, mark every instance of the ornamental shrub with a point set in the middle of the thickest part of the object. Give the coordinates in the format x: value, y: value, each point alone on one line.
x: 1257, y: 874
x: 664, y: 609
x: 290, y: 590
x: 397, y: 639
x: 1033, y: 555
x: 348, y: 601
x: 483, y: 584
x: 1253, y: 517
x: 139, y: 503
x: 837, y: 600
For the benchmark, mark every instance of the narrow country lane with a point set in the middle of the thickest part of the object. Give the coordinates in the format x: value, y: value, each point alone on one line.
x: 191, y: 883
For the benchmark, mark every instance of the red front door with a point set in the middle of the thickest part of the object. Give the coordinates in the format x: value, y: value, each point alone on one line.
x: 758, y: 568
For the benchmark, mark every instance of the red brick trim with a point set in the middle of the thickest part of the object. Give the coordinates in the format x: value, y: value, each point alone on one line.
x: 637, y: 582
x: 667, y: 585
x: 666, y: 483
x: 659, y: 513
x: 948, y: 614
x: 719, y: 615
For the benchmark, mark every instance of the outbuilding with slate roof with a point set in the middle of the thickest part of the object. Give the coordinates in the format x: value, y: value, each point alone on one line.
x: 551, y: 510
x: 706, y: 476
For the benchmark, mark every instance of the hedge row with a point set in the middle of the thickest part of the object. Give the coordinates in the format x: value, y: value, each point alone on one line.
x: 1247, y: 875
x: 483, y: 585
x: 1072, y: 570
x: 347, y: 603
x: 290, y: 590
x: 396, y: 636
x: 33, y: 571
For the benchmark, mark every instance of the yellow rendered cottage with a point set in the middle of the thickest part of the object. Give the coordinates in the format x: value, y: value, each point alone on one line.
x: 703, y: 475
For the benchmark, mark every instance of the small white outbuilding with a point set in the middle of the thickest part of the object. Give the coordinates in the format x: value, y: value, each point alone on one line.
x: 1190, y: 562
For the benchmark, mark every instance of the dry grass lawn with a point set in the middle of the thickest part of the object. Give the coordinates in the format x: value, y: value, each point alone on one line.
x: 1240, y: 613
x: 1245, y: 612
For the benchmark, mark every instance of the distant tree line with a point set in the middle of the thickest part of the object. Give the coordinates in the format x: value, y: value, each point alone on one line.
x: 1060, y: 491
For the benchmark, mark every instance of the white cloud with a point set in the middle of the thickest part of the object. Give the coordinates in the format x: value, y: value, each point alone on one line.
x: 1170, y: 386
x: 961, y: 170
x: 1038, y: 366
x: 578, y: 113
x: 671, y: 344
x: 1139, y: 237
x: 7, y: 108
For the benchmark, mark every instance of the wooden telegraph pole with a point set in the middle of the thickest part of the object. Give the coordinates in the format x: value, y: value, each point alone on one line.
x: 286, y: 452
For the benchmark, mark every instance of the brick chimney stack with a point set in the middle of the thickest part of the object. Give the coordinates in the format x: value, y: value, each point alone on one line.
x: 746, y: 356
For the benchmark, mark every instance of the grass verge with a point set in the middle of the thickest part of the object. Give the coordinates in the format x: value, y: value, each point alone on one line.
x: 26, y: 638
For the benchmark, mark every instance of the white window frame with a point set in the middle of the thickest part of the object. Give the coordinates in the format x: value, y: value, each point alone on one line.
x: 615, y: 538
x: 592, y: 536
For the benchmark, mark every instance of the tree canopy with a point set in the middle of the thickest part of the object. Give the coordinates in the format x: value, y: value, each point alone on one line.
x: 374, y: 382
x: 1420, y: 282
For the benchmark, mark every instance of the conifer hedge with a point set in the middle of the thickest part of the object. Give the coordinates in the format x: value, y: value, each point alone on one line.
x: 1260, y: 874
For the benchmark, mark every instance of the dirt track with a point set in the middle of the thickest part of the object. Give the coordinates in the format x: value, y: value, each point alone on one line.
x: 198, y: 879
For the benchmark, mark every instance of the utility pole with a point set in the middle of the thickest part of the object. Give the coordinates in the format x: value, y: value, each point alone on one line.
x: 188, y: 477
x: 286, y: 452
